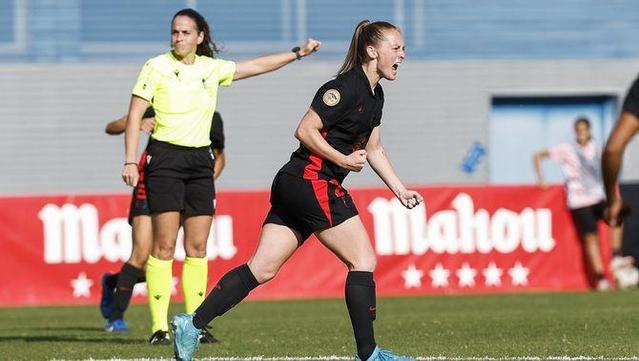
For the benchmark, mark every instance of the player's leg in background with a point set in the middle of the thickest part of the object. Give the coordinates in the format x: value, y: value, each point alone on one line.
x: 593, y: 254
x: 132, y: 271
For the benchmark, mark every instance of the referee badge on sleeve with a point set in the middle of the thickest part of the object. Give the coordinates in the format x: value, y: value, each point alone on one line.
x: 331, y: 97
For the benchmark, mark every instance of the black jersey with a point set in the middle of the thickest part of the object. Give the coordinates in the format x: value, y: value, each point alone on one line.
x: 217, y: 128
x: 631, y: 103
x: 349, y: 111
x: 217, y: 132
x: 148, y: 113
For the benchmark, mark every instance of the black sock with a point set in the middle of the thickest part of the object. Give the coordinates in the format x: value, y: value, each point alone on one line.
x: 111, y: 280
x: 361, y: 303
x: 229, y: 291
x: 127, y: 278
x: 600, y: 276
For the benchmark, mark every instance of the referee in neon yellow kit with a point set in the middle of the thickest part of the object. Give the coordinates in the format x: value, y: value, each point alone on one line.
x: 182, y: 86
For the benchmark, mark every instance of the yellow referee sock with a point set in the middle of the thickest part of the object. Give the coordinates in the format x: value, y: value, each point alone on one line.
x: 159, y: 282
x: 194, y: 277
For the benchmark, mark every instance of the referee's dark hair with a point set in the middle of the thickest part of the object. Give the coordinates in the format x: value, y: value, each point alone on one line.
x: 366, y: 33
x: 207, y: 47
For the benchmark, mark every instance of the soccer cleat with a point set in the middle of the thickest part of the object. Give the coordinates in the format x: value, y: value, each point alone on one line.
x: 160, y: 337
x: 207, y: 337
x: 619, y: 262
x: 186, y: 337
x: 106, y: 301
x: 116, y: 326
x: 383, y: 355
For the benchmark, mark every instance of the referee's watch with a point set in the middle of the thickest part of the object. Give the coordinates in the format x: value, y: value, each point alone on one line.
x: 296, y: 50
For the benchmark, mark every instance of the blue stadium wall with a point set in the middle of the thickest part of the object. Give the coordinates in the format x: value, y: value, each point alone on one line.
x: 67, y: 67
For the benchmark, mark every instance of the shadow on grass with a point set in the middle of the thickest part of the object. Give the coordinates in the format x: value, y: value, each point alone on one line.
x: 69, y: 338
x: 70, y: 328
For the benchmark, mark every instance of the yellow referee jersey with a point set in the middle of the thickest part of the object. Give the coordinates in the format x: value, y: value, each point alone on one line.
x: 183, y: 96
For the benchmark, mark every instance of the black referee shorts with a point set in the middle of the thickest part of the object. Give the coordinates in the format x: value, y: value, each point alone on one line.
x: 179, y: 179
x: 586, y: 218
x: 308, y: 206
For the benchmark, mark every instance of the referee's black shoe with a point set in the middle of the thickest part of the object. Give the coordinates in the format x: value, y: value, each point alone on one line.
x: 160, y: 338
x: 207, y: 337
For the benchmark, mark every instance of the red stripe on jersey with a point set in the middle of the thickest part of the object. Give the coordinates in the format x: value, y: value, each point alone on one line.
x: 315, y: 165
x: 320, y: 187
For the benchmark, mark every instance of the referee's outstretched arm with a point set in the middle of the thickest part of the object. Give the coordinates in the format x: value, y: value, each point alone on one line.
x: 267, y: 63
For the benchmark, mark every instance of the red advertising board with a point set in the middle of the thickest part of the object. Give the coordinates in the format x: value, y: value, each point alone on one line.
x: 462, y: 240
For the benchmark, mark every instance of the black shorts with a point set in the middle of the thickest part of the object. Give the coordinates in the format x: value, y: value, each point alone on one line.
x: 179, y: 179
x: 139, y: 203
x: 308, y: 206
x: 586, y: 218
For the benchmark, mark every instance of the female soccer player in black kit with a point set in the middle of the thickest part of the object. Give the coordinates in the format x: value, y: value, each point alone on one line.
x: 338, y: 134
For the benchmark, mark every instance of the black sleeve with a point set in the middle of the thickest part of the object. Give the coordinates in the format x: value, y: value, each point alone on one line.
x: 378, y: 116
x: 631, y: 103
x: 149, y: 113
x: 333, y: 101
x: 217, y: 132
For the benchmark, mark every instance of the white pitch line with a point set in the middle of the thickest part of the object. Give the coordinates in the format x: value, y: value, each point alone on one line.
x: 419, y: 358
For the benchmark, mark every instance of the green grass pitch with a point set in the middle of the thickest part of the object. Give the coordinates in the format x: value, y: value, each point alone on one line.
x: 603, y: 325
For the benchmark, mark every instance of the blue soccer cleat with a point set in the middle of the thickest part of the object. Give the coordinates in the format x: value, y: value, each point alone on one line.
x: 186, y: 338
x: 116, y: 326
x: 106, y: 301
x: 383, y: 355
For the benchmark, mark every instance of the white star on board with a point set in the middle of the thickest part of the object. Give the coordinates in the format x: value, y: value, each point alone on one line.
x: 412, y: 277
x: 439, y: 276
x: 81, y: 286
x: 519, y: 274
x: 139, y: 289
x: 492, y: 274
x: 466, y: 275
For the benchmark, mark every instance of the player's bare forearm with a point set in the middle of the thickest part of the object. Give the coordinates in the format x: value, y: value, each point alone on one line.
x: 384, y: 169
x: 116, y: 127
x: 264, y: 64
x: 220, y: 162
x: 537, y: 158
x: 313, y: 140
x: 132, y: 131
x: 308, y: 132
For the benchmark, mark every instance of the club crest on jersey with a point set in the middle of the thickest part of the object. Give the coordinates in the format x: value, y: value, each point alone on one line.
x: 331, y: 97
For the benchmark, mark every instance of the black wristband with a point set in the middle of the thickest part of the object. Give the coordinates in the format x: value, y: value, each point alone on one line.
x: 296, y: 50
x: 127, y: 163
